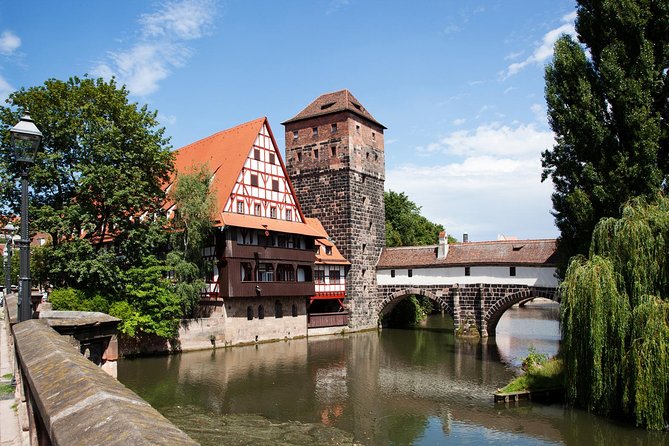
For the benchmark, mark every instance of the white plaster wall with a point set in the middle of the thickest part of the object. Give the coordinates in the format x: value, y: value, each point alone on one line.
x: 525, y: 275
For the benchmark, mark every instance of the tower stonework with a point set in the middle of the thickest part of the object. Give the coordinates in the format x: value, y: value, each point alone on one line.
x: 335, y: 160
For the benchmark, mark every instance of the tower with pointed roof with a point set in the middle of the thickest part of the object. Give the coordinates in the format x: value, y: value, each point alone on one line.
x: 335, y: 159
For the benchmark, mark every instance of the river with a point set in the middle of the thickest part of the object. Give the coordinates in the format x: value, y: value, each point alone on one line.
x: 394, y: 387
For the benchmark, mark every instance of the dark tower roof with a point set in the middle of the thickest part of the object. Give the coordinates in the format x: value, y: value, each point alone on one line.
x: 329, y: 103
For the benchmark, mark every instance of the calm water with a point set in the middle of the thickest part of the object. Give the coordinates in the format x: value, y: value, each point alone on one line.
x: 397, y: 387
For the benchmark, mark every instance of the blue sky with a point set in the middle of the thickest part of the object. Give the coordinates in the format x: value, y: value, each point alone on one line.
x: 458, y: 84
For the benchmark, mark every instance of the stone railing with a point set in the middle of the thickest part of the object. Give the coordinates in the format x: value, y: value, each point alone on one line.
x: 70, y: 400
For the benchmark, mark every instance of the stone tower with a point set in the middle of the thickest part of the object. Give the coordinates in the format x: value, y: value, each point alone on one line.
x: 335, y: 160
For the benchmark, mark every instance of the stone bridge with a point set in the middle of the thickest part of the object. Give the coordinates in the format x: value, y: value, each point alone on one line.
x: 473, y: 306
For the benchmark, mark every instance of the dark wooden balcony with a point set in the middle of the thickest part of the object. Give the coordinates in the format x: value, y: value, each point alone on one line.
x: 248, y: 289
x: 270, y: 253
x: 322, y: 320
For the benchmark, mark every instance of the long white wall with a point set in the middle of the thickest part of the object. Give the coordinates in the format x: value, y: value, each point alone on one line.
x: 531, y: 276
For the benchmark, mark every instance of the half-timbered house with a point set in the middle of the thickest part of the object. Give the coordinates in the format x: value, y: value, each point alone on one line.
x: 264, y: 249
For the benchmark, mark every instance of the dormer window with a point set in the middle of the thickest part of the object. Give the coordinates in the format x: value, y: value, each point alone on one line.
x: 328, y: 250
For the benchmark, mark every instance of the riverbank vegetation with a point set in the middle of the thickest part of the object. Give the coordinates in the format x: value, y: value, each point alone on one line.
x: 409, y: 312
x: 539, y: 373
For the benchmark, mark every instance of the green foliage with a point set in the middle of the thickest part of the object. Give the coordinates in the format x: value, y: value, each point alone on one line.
x: 541, y: 373
x: 404, y: 224
x: 615, y: 317
x: 610, y: 114
x: 533, y: 359
x: 70, y: 299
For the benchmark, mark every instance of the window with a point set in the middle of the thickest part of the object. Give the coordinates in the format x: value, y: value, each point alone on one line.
x: 376, y: 157
x: 257, y: 209
x: 373, y: 136
x: 315, y: 153
x: 512, y: 271
x: 272, y: 158
x: 328, y: 250
x: 294, y: 310
x: 319, y: 276
x: 240, y: 207
x: 256, y: 154
x: 357, y: 128
x: 333, y: 151
x: 334, y: 276
x: 285, y: 273
x: 364, y: 246
x: 272, y: 212
x: 410, y: 273
x: 299, y: 156
x: 314, y: 131
x: 254, y: 180
x: 278, y: 310
x: 294, y: 134
x: 392, y: 273
x: 468, y: 271
x: 265, y: 272
x: 289, y: 215
x: 367, y: 155
x: 249, y: 313
x: 275, y: 185
x: 261, y: 312
x: 333, y: 128
x: 247, y: 272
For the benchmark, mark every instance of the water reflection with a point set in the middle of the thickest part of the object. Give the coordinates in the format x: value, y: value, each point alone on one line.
x: 400, y: 387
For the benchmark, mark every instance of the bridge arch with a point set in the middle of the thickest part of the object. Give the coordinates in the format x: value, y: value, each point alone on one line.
x: 389, y: 302
x: 495, y: 312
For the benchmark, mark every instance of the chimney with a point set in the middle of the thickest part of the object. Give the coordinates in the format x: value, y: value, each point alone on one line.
x: 465, y: 238
x: 442, y: 250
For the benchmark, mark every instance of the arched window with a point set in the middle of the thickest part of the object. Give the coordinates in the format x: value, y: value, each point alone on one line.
x: 278, y: 309
x: 294, y: 310
x: 249, y: 313
x: 261, y: 312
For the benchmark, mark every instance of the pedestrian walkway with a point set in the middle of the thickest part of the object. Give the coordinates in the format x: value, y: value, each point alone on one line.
x: 10, y: 432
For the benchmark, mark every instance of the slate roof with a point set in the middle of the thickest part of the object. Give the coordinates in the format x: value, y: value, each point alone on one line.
x: 506, y: 252
x: 342, y: 100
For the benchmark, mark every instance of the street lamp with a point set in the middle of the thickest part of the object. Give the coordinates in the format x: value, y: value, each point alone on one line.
x: 25, y: 139
x: 9, y: 237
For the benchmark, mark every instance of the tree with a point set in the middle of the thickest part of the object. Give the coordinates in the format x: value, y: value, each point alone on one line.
x: 607, y: 97
x: 615, y: 318
x: 404, y: 224
x: 101, y: 168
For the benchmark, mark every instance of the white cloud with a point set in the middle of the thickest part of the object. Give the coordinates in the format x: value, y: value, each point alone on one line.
x: 336, y: 5
x: 539, y: 112
x: 458, y: 122
x: 5, y: 89
x: 495, y: 139
x: 9, y: 42
x: 161, y: 46
x: 545, y: 48
x: 488, y: 183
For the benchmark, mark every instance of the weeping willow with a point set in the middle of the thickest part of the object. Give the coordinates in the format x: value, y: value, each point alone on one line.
x: 615, y: 318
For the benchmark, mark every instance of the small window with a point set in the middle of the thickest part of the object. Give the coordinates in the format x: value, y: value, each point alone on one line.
x: 249, y: 313
x: 254, y: 180
x: 275, y: 185
x: 272, y: 212
x: 314, y: 131
x: 319, y: 276
x: 256, y: 154
x: 333, y: 151
x: 294, y: 310
x: 334, y: 276
x: 392, y: 273
x: 364, y: 246
x: 278, y: 310
x: 376, y: 157
x: 240, y: 207
x: 512, y: 271
x: 315, y: 153
x: 257, y: 209
x: 468, y: 271
x: 261, y: 312
x: 272, y: 158
x: 328, y: 250
x: 357, y: 128
x: 294, y: 134
x: 410, y: 273
x: 373, y: 136
x: 289, y: 215
x: 367, y: 155
x: 299, y: 156
x: 333, y: 128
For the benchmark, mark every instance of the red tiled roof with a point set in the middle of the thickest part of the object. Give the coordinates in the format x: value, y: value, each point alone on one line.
x: 321, y: 257
x: 508, y: 252
x: 269, y: 224
x: 335, y: 102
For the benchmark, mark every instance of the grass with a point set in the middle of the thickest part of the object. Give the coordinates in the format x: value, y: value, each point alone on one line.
x: 8, y: 376
x: 541, y: 373
x: 6, y: 389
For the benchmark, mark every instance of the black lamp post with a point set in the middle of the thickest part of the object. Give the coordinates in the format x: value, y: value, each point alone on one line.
x: 9, y: 238
x: 25, y: 138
